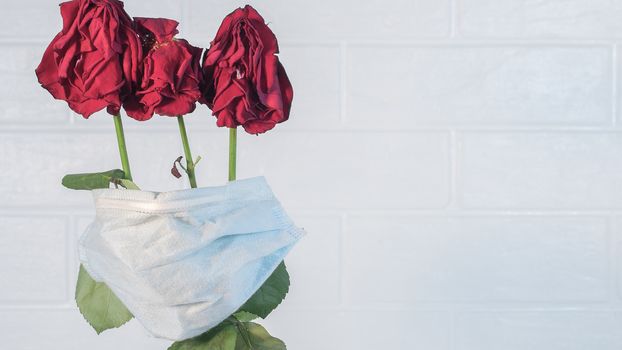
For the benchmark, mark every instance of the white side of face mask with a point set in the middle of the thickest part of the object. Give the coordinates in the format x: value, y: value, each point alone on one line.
x: 184, y: 261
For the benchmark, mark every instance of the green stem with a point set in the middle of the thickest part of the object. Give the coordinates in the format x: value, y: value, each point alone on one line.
x: 189, y: 161
x: 233, y: 136
x: 125, y: 163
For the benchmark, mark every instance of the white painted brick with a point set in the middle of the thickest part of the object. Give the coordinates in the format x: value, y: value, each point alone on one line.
x: 314, y: 74
x: 539, y: 18
x: 407, y: 330
x: 617, y: 257
x: 405, y: 87
x: 23, y: 100
x: 33, y: 256
x: 30, y: 19
x: 539, y: 330
x: 201, y: 119
x: 42, y: 19
x: 66, y: 329
x: 308, y: 330
x: 156, y: 8
x: 350, y: 170
x: 361, y: 330
x: 406, y: 259
x: 324, y: 20
x: 43, y: 159
x: 313, y: 264
x: 618, y: 87
x: 543, y: 170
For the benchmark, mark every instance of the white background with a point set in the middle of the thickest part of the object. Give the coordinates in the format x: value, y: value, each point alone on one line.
x: 457, y: 164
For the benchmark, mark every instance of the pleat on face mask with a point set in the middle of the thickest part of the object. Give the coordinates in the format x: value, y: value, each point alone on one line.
x: 184, y: 261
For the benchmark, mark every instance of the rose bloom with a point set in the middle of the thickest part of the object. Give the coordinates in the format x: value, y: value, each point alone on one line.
x: 245, y: 82
x: 93, y: 62
x: 171, y: 72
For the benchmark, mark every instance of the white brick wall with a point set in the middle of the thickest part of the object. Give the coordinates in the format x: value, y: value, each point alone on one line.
x: 456, y: 163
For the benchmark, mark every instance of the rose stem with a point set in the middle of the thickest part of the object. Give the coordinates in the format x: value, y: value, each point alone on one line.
x: 233, y: 136
x: 189, y: 161
x: 125, y: 163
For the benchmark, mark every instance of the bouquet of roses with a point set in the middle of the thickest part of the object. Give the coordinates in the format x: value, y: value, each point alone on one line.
x: 195, y: 266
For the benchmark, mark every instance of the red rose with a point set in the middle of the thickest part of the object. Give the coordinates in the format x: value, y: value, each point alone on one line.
x: 245, y: 82
x: 92, y: 63
x: 171, y: 73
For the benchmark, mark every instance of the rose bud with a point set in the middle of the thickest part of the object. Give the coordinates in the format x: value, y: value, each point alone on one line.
x: 171, y: 73
x: 245, y: 82
x: 93, y: 62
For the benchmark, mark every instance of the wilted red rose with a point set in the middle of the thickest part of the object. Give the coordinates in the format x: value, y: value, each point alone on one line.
x: 93, y: 62
x: 245, y: 82
x: 171, y: 72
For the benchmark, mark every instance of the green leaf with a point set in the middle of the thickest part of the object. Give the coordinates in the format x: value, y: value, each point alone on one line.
x: 221, y: 337
x: 260, y: 339
x: 223, y: 340
x: 99, y: 306
x: 90, y: 181
x: 270, y: 294
x: 244, y: 316
x: 232, y: 335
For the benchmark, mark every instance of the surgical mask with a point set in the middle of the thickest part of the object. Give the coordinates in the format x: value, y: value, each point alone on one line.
x: 183, y: 261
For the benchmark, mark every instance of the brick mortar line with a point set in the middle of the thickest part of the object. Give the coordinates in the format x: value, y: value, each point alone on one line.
x: 392, y: 41
x: 445, y: 307
x: 454, y: 18
x: 615, y: 260
x: 78, y: 211
x: 332, y: 43
x: 454, y: 152
x: 343, y: 228
x: 343, y: 84
x: 70, y: 130
x: 615, y: 86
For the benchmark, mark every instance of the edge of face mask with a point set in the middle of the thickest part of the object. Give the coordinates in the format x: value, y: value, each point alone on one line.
x: 255, y: 188
x: 271, y: 262
x: 82, y: 255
